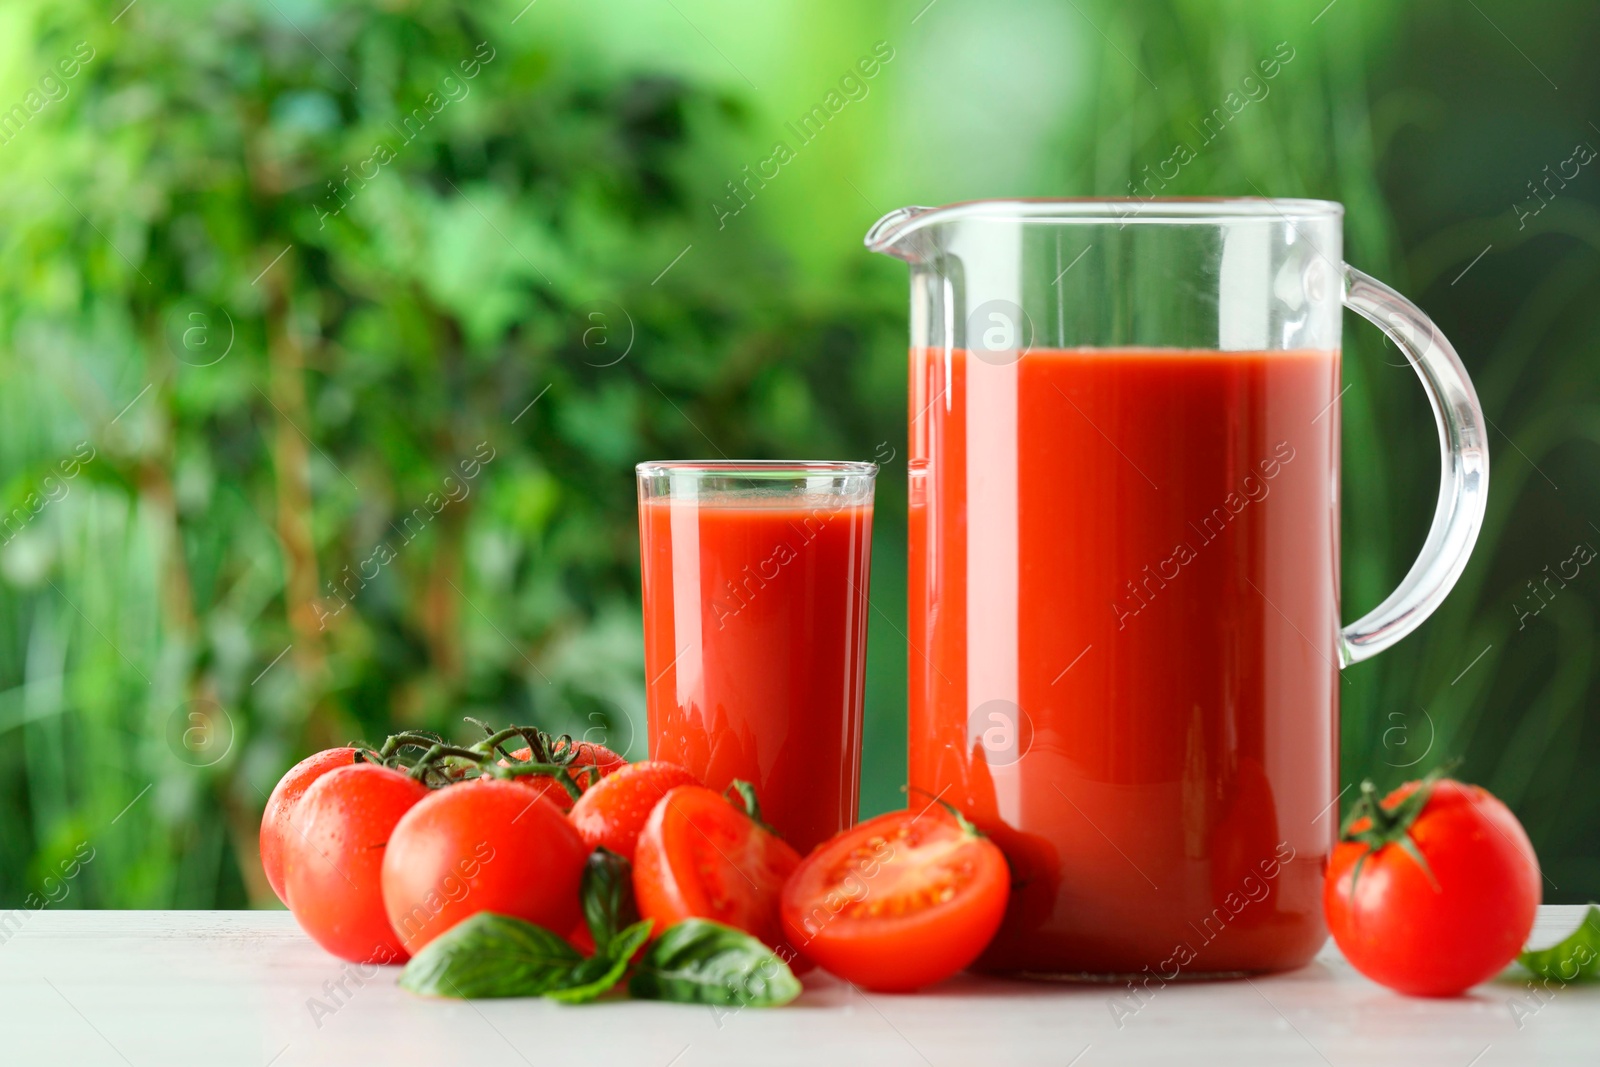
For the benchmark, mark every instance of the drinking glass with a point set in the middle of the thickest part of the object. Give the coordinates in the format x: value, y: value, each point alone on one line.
x: 755, y: 581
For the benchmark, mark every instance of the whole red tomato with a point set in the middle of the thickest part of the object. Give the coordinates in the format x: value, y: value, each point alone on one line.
x: 613, y: 811
x: 899, y: 902
x: 277, y: 821
x: 1432, y: 891
x: 484, y: 845
x: 700, y: 857
x: 333, y: 863
x: 589, y: 754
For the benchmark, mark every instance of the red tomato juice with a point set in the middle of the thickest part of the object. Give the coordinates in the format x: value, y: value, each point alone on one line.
x: 755, y: 635
x: 1123, y: 613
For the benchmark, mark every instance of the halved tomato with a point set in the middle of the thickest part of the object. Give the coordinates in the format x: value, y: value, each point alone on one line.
x: 700, y: 857
x: 899, y: 902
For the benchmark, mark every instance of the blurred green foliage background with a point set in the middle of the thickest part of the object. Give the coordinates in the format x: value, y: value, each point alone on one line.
x: 287, y: 280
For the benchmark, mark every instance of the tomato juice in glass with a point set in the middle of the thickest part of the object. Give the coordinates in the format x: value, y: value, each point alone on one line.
x: 755, y: 621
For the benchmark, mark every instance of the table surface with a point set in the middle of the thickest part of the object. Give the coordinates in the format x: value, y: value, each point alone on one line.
x: 130, y: 989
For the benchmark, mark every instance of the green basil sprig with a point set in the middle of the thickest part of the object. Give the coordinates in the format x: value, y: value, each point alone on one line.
x: 694, y: 962
x: 607, y: 894
x: 1575, y: 959
x: 598, y: 975
x: 489, y: 955
x: 702, y: 962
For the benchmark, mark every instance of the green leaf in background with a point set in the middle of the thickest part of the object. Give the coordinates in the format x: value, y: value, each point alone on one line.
x: 702, y: 962
x: 596, y: 976
x: 1575, y: 959
x: 492, y: 955
x: 607, y: 893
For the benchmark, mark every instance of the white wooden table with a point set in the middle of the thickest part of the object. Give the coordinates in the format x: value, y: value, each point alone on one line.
x: 141, y: 989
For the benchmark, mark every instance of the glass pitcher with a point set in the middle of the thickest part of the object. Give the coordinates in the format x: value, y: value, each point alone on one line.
x: 1124, y: 563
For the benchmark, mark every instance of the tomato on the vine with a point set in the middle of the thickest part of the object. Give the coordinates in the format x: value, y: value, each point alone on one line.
x: 899, y: 902
x: 700, y: 857
x: 277, y: 821
x: 589, y: 754
x: 333, y: 862
x: 614, y: 810
x: 1434, y: 889
x: 484, y: 845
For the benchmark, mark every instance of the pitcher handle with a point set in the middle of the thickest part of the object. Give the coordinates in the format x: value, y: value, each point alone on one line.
x: 1463, y: 468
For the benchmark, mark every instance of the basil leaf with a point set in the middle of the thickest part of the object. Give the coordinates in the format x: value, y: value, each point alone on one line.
x: 1575, y: 959
x: 631, y: 939
x: 702, y: 962
x: 491, y: 955
x: 592, y: 978
x: 607, y: 895
x: 596, y: 976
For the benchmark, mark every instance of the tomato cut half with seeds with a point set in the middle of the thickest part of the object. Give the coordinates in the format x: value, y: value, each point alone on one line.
x: 899, y: 902
x: 700, y: 857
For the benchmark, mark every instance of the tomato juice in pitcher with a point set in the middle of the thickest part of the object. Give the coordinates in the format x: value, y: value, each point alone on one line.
x: 1124, y: 564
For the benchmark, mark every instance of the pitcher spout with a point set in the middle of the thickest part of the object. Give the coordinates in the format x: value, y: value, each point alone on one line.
x: 895, y: 233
